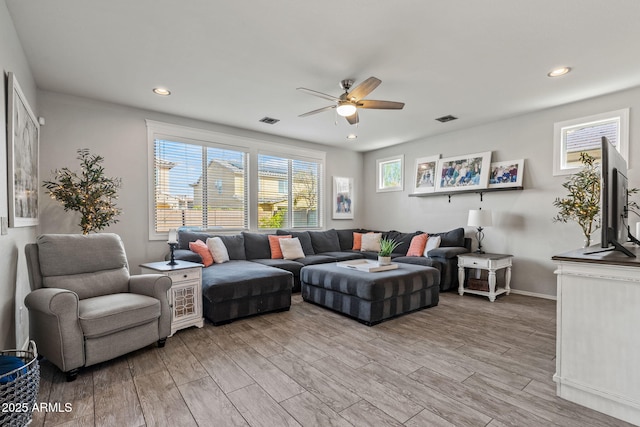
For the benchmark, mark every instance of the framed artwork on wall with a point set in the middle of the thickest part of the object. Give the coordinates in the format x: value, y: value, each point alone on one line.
x: 424, y: 178
x: 506, y: 174
x: 466, y: 172
x: 390, y: 174
x: 23, y: 132
x: 342, y: 197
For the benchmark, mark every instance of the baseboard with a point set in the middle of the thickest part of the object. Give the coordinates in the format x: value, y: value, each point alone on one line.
x: 534, y: 294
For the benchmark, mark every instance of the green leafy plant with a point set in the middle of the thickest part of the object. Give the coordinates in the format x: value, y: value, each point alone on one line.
x: 582, y: 204
x: 91, y: 193
x: 387, y: 246
x: 274, y: 221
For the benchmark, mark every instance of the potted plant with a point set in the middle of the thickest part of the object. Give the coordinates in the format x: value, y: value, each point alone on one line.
x: 90, y: 193
x: 582, y: 204
x: 386, y: 249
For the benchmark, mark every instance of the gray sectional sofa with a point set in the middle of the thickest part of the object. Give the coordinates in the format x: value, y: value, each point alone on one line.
x: 252, y: 282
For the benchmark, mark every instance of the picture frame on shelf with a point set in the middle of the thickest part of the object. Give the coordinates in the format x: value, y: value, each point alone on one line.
x: 342, y: 198
x: 424, y: 177
x: 506, y: 174
x: 390, y: 174
x: 466, y: 172
x: 23, y: 131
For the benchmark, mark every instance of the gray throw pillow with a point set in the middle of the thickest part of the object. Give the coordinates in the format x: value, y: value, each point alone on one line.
x: 235, y: 246
x: 256, y: 245
x: 325, y: 241
x: 454, y: 237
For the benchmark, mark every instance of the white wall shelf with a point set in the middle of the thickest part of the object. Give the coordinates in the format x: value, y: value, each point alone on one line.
x: 481, y: 192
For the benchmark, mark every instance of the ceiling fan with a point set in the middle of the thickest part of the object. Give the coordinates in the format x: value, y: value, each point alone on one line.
x: 348, y: 103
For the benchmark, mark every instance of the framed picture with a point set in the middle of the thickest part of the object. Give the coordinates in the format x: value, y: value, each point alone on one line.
x: 24, y: 135
x: 390, y: 174
x: 467, y: 172
x: 342, y: 198
x: 424, y: 178
x: 506, y: 174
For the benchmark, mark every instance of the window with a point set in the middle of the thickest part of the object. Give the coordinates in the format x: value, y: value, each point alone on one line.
x: 289, y: 192
x: 584, y: 134
x: 213, y: 180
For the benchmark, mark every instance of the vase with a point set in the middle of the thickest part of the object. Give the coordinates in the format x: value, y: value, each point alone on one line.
x: 384, y: 260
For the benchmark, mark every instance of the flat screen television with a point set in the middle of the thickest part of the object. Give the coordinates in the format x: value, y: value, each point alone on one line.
x: 614, y: 200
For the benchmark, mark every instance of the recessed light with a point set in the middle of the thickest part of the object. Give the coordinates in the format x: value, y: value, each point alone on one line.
x: 559, y: 72
x: 352, y: 136
x: 161, y: 91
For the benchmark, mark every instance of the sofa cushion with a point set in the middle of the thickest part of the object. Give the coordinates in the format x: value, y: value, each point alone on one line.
x: 344, y: 255
x: 325, y: 241
x: 88, y: 285
x: 256, y: 245
x: 235, y: 246
x: 107, y: 314
x: 403, y: 239
x: 185, y: 255
x: 345, y: 237
x: 240, y: 279
x: 453, y: 237
x: 303, y: 236
x: 186, y: 236
x: 316, y: 259
x: 285, y: 264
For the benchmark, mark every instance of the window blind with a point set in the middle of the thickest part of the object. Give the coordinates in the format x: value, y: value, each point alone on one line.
x: 199, y: 186
x: 289, y: 192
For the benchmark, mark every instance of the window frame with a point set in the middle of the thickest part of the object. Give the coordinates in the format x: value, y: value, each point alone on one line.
x: 251, y: 147
x: 560, y: 128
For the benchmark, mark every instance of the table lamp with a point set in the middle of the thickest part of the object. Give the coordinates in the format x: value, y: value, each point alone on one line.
x: 479, y: 219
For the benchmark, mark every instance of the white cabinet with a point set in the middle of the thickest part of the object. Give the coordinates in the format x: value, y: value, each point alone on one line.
x: 185, y: 295
x: 598, y: 344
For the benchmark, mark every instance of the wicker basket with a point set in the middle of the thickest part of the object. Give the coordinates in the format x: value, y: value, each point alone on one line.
x: 478, y: 284
x: 19, y: 388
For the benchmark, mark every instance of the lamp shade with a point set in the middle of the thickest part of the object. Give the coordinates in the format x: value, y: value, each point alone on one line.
x: 346, y: 109
x: 479, y: 218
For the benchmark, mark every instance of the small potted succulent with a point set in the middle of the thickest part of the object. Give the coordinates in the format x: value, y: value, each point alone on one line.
x: 386, y: 249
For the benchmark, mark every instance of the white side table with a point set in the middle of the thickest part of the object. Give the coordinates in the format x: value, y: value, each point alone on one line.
x: 489, y: 262
x: 185, y: 295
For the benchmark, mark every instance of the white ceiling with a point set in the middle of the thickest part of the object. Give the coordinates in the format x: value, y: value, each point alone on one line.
x: 234, y: 62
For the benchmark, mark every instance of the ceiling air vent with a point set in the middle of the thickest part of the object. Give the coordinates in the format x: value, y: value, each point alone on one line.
x: 447, y: 118
x: 269, y: 120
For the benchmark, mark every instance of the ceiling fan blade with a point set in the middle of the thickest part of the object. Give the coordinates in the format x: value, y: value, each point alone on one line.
x: 353, y: 119
x: 319, y: 110
x: 380, y: 105
x: 364, y: 88
x: 318, y: 94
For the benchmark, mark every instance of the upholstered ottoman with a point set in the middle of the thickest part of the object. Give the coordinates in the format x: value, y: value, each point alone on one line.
x: 371, y: 297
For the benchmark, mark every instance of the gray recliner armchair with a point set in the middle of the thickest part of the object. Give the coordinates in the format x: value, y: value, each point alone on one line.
x: 84, y: 307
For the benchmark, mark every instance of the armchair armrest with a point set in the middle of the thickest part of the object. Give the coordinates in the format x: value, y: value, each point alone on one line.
x: 447, y: 252
x: 156, y: 286
x: 55, y: 327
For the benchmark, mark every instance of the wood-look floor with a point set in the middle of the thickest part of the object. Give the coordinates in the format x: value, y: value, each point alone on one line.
x: 466, y: 362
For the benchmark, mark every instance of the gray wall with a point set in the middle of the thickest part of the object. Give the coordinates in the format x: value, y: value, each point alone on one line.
x: 522, y: 219
x: 119, y: 134
x: 14, y: 283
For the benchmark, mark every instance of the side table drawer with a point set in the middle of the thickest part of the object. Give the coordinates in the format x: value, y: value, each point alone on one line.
x: 185, y: 275
x: 474, y: 262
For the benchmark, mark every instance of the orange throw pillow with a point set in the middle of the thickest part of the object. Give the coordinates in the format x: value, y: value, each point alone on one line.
x: 274, y: 244
x: 202, y: 249
x: 418, y: 243
x: 357, y: 241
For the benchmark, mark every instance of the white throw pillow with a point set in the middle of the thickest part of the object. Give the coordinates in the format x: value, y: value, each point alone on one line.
x: 218, y: 250
x: 291, y: 248
x: 371, y: 242
x: 432, y: 243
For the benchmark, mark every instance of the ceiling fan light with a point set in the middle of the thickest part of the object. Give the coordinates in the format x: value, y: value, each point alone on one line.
x: 346, y: 109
